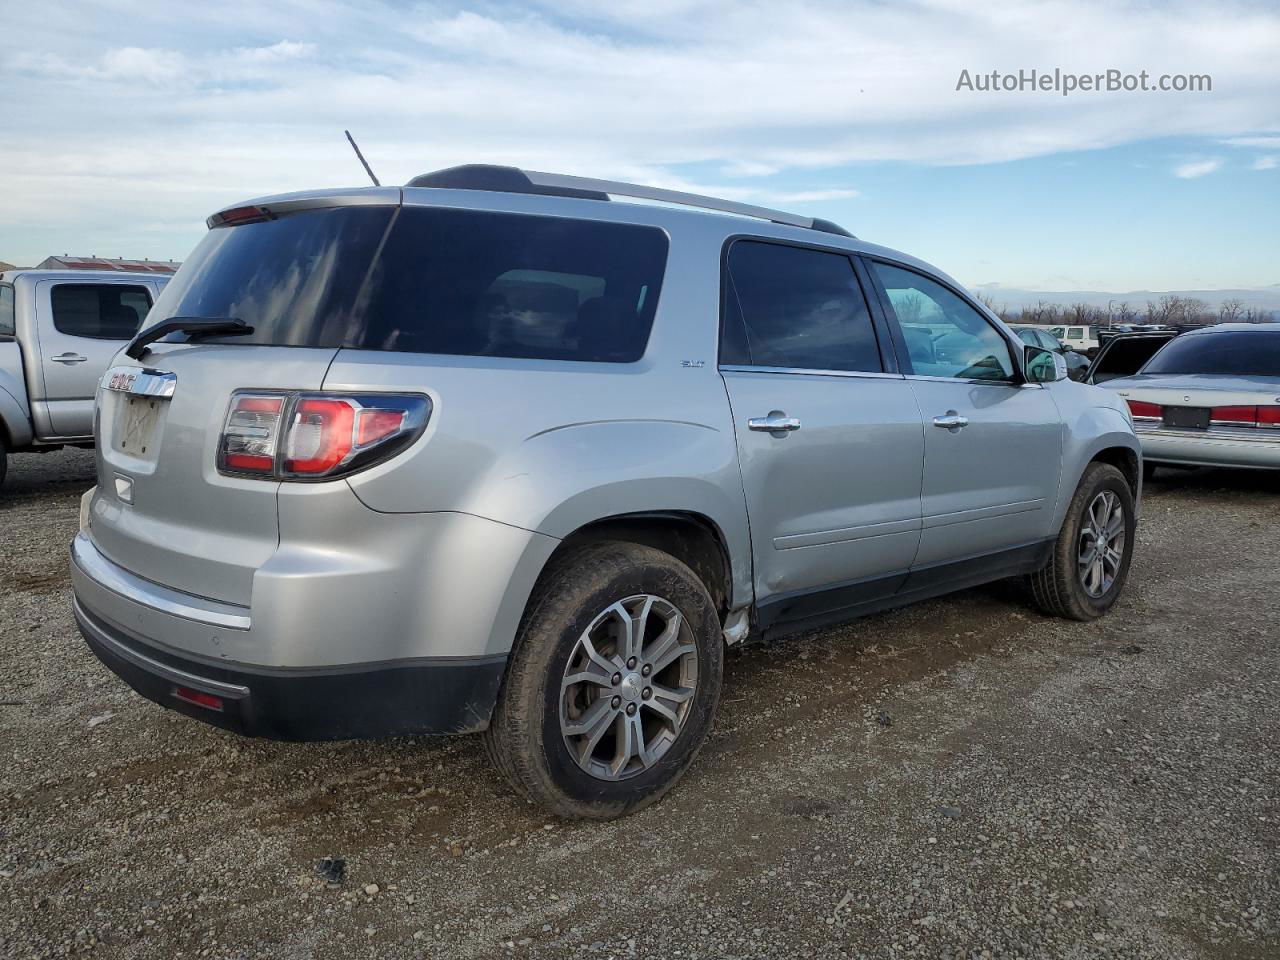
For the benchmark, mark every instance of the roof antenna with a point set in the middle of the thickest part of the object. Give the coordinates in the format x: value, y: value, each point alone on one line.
x: 367, y: 169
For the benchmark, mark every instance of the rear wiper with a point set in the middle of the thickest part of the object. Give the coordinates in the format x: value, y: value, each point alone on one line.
x: 193, y: 327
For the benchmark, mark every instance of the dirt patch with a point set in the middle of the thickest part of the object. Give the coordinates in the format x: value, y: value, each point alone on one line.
x: 957, y: 777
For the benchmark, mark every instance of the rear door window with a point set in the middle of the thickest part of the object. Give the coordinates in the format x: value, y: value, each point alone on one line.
x: 99, y: 311
x: 796, y: 308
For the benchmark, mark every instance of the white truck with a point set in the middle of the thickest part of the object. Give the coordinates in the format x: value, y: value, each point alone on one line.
x: 1080, y: 337
x: 59, y: 330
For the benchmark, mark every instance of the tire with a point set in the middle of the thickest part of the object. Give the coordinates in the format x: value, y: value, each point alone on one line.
x: 1059, y: 588
x: 529, y: 738
x: 4, y: 459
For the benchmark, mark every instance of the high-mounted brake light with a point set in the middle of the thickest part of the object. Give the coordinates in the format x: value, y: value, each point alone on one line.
x: 1144, y: 411
x: 238, y: 215
x: 316, y: 436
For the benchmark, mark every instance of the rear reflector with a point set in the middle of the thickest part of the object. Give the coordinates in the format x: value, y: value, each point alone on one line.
x: 1246, y: 416
x: 1144, y: 411
x: 316, y: 436
x: 198, y: 698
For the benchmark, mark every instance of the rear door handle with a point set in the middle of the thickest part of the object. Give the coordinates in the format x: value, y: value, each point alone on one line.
x: 775, y: 422
x: 68, y: 358
x: 951, y: 421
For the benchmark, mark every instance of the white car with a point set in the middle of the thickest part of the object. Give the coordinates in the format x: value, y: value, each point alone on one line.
x: 1081, y: 339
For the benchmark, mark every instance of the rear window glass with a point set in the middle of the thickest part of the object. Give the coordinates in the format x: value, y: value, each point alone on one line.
x: 1246, y: 353
x: 457, y: 282
x: 101, y: 311
x: 294, y: 280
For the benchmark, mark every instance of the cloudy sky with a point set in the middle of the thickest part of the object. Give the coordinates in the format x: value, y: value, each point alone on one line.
x: 125, y: 124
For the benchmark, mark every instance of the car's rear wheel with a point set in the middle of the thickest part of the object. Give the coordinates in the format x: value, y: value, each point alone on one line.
x: 1090, y: 561
x: 613, y: 682
x: 4, y: 460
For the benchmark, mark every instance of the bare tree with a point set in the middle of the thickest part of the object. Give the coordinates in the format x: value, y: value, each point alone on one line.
x: 1173, y: 309
x: 1123, y: 313
x: 1042, y: 313
x: 1230, y: 310
x: 909, y: 307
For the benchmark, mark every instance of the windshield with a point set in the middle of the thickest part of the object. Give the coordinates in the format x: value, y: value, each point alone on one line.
x: 430, y: 280
x: 1245, y: 353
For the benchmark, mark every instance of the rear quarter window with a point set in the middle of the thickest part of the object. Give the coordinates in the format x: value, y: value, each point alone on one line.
x: 7, y: 324
x: 483, y: 284
x: 99, y: 311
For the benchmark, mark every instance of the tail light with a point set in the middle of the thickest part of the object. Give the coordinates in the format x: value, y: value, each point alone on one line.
x: 1268, y: 416
x: 1144, y: 411
x: 316, y: 436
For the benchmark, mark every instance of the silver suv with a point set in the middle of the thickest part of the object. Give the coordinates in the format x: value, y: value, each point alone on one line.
x: 492, y: 453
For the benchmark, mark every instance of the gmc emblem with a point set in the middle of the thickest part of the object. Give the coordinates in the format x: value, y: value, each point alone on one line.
x: 122, y: 381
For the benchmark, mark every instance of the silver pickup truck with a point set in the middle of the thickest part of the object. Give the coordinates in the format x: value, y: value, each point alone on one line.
x: 59, y: 330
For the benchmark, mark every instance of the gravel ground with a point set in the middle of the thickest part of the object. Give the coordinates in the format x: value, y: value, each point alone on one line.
x: 963, y: 778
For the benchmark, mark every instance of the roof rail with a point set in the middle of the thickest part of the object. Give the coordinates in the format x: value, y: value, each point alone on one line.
x: 480, y: 176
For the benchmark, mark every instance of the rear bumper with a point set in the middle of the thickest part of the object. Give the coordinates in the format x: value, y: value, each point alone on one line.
x: 1210, y: 449
x: 333, y: 703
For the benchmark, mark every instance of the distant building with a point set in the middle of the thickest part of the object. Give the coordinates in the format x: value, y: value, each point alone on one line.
x: 66, y: 262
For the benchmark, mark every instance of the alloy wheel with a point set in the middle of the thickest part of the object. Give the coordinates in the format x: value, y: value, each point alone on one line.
x: 628, y: 687
x: 1102, y: 542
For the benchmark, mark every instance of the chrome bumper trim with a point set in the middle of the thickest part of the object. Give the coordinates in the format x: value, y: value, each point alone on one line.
x: 115, y: 578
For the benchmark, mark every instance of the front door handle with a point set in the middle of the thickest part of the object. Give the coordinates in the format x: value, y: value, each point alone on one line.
x: 68, y: 358
x: 776, y: 422
x: 951, y: 421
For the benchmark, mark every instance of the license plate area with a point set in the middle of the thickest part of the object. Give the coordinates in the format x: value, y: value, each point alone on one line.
x: 1187, y: 418
x: 137, y: 423
x: 136, y: 401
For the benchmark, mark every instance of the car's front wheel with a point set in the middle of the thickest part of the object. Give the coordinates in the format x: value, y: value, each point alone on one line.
x: 613, y: 682
x: 1090, y: 561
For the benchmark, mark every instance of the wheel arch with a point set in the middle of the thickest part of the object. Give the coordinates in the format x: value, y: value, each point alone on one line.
x: 1127, y: 461
x: 693, y: 538
x: 1120, y: 449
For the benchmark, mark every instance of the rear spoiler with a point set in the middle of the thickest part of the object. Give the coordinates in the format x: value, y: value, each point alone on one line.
x: 268, y: 208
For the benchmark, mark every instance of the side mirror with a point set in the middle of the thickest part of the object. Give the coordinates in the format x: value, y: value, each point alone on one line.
x: 1044, y: 366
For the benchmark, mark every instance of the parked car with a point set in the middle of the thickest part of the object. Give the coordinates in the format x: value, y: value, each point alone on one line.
x: 1081, y: 338
x: 59, y: 330
x: 1077, y: 363
x: 492, y: 452
x: 1208, y: 397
